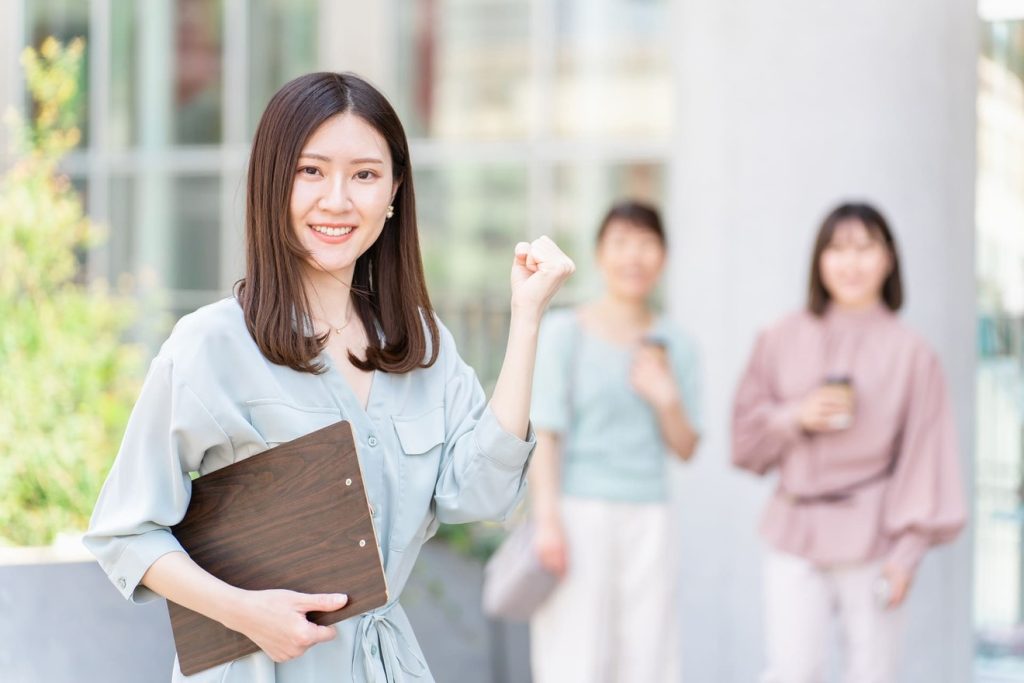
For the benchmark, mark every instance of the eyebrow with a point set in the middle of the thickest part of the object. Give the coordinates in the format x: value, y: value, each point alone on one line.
x: 321, y: 157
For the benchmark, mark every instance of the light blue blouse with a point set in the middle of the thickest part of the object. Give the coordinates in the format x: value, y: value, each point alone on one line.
x: 612, y: 446
x: 431, y: 451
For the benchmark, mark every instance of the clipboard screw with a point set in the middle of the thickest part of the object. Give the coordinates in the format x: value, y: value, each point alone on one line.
x: 348, y: 482
x: 362, y: 542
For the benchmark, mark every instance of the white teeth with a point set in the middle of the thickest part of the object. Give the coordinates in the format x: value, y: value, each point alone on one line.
x: 332, y: 232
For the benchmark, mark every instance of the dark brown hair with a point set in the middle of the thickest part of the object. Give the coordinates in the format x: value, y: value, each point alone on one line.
x: 635, y: 212
x: 892, y: 289
x: 388, y: 286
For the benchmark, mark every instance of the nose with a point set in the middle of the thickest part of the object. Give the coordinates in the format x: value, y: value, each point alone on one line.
x: 335, y: 198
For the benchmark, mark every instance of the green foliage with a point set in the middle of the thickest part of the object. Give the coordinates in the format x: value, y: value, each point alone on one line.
x: 474, y: 541
x: 67, y: 379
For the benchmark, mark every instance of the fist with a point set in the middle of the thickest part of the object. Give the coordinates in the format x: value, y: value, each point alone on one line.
x: 899, y: 584
x: 538, y: 271
x: 826, y: 409
x: 651, y: 377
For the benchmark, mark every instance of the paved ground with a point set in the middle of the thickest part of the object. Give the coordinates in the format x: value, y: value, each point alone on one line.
x: 65, y: 623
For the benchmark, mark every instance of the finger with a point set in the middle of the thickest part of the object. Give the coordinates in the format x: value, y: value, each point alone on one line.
x: 321, y: 602
x: 531, y: 261
x: 323, y: 633
x: 521, y: 252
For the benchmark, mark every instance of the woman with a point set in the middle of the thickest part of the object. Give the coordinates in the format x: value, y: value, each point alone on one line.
x: 850, y: 406
x: 332, y: 321
x: 620, y: 390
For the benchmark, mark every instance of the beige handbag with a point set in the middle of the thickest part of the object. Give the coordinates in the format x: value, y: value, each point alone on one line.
x: 515, y: 583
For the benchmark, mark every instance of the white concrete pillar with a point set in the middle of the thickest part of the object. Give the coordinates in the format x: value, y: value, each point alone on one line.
x: 783, y: 109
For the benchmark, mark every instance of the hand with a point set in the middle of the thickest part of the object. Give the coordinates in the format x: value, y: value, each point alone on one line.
x: 820, y: 410
x: 538, y: 270
x: 552, y: 551
x: 899, y: 584
x: 651, y: 377
x: 276, y: 621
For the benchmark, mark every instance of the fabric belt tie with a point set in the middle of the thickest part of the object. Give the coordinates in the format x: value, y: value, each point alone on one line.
x: 838, y: 496
x: 394, y: 647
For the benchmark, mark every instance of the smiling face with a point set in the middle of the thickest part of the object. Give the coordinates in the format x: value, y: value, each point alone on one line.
x: 631, y: 258
x: 343, y: 185
x: 855, y: 264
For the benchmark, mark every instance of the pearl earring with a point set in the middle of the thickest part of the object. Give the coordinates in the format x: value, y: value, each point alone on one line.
x: 391, y: 210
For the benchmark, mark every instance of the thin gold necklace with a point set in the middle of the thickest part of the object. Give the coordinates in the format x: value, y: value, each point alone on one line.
x: 334, y: 328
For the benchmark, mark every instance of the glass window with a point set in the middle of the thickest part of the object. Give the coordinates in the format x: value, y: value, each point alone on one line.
x: 999, y: 464
x: 464, y: 68
x: 166, y: 73
x: 613, y: 69
x: 470, y: 217
x: 166, y: 230
x: 121, y: 125
x: 120, y: 242
x: 194, y: 261
x: 282, y: 46
x: 197, y: 71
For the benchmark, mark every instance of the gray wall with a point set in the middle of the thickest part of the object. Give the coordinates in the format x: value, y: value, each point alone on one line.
x: 783, y: 109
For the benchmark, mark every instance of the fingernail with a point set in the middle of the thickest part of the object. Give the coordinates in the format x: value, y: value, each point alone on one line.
x: 340, y: 597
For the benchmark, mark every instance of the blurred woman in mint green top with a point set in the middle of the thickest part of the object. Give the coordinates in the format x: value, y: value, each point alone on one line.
x: 616, y: 395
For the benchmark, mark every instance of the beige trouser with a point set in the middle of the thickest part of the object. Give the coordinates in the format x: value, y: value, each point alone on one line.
x: 613, y: 619
x: 800, y: 602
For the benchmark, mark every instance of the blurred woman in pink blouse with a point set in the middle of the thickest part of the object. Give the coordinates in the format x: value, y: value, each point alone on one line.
x: 850, y: 407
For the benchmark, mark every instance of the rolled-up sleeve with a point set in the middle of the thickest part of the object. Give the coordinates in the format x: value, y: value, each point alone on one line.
x: 148, y: 488
x: 483, y: 467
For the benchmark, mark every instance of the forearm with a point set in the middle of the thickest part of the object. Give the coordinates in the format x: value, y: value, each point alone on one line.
x: 676, y: 429
x: 176, y: 577
x: 545, y: 479
x: 510, y: 401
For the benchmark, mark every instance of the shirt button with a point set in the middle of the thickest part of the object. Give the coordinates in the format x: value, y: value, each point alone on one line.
x: 372, y: 441
x: 373, y: 650
x: 122, y: 583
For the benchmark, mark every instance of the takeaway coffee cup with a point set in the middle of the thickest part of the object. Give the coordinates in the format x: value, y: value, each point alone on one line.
x: 844, y: 385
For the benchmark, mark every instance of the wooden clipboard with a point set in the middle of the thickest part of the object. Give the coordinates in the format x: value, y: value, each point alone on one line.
x: 294, y: 516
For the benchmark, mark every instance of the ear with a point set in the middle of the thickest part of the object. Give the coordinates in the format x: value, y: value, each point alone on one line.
x: 394, y: 190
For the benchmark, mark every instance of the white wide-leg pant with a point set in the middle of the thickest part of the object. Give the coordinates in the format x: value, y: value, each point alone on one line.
x: 614, y: 618
x: 800, y: 602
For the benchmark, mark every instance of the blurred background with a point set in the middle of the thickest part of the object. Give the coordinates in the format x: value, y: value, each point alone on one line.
x: 745, y: 121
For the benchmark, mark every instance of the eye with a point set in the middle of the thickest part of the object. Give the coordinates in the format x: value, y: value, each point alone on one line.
x: 366, y: 175
x: 308, y: 170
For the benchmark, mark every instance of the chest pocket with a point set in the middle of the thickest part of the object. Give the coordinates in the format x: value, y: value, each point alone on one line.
x: 278, y: 423
x: 421, y: 438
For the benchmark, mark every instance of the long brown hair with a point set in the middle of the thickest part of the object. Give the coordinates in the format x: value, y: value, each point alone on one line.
x: 892, y: 289
x: 388, y: 286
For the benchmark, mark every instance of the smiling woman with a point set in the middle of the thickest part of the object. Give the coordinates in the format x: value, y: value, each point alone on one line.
x: 331, y: 239
x: 850, y: 406
x: 599, y: 486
